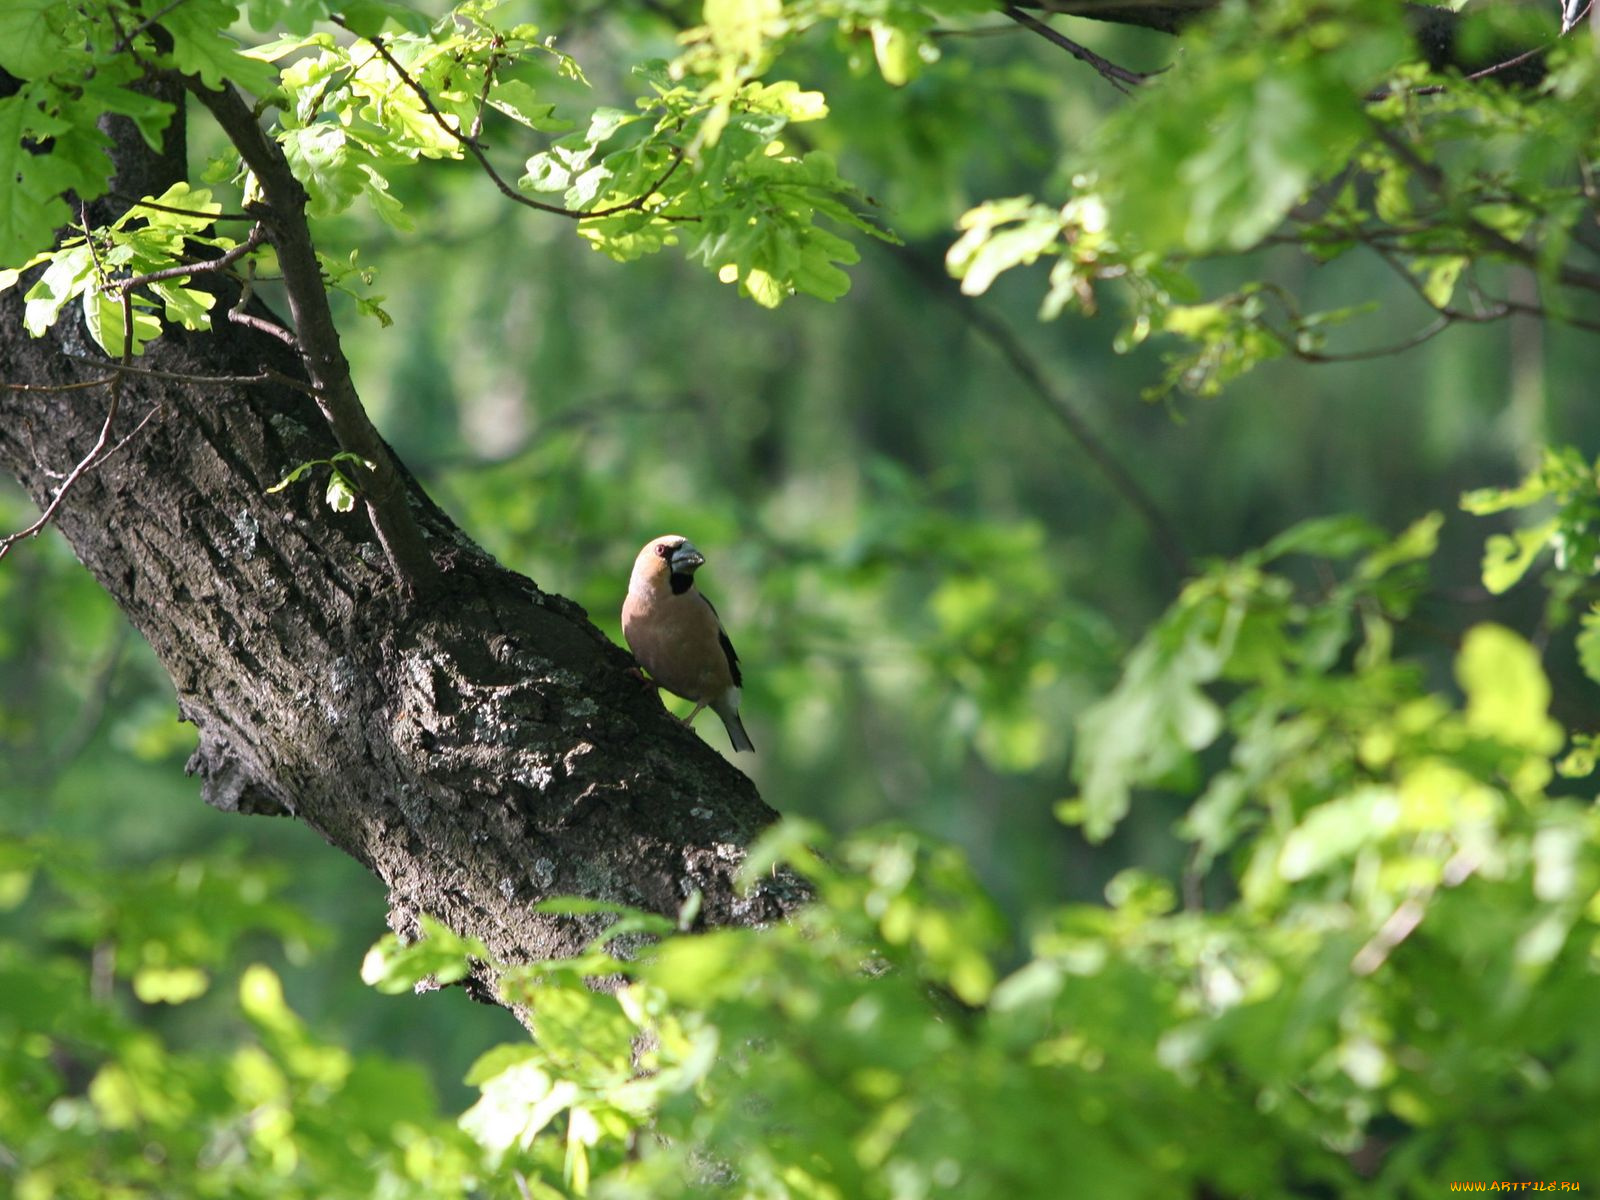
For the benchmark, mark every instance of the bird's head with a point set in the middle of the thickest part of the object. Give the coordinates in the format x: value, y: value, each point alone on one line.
x: 670, y: 559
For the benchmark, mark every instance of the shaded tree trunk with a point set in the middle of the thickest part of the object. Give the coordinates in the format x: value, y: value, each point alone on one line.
x: 479, y: 749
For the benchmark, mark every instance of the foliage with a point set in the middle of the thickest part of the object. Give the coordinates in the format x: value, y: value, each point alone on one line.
x: 1386, y: 990
x: 1321, y: 130
x: 1384, y: 1003
x: 699, y: 161
x: 94, y: 1102
x: 341, y: 493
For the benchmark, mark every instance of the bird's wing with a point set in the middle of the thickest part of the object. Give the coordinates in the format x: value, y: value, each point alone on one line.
x: 727, y: 646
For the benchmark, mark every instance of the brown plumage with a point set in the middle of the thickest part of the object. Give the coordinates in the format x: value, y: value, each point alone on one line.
x: 676, y: 635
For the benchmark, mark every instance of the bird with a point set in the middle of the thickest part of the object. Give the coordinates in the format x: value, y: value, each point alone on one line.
x: 676, y: 635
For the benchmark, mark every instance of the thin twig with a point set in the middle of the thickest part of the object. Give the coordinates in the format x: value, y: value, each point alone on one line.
x: 1118, y: 77
x: 1438, y: 183
x: 58, y: 387
x: 1427, y: 333
x: 1399, y: 926
x: 129, y: 436
x: 126, y: 39
x: 1000, y: 336
x: 262, y: 325
x: 238, y: 316
x: 131, y: 202
x: 88, y: 460
x: 265, y: 375
x: 483, y: 99
x: 222, y: 262
x: 1495, y: 308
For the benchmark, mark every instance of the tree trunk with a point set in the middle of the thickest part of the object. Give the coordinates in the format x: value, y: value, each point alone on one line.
x: 479, y: 750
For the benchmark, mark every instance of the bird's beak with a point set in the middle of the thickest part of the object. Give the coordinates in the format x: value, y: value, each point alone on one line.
x: 685, y: 559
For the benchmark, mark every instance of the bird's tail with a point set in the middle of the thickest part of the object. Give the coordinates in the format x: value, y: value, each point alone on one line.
x: 736, y: 734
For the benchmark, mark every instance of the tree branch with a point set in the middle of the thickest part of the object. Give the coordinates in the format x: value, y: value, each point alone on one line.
x: 999, y: 335
x: 285, y: 218
x: 1119, y: 77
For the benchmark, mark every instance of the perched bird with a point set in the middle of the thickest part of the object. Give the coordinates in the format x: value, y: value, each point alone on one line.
x: 676, y: 635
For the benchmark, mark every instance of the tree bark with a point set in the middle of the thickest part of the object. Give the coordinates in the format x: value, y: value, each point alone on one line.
x: 479, y: 749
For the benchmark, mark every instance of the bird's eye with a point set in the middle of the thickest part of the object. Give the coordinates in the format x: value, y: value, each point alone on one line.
x: 663, y: 551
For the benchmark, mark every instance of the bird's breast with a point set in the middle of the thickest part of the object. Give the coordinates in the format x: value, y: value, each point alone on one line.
x: 675, y: 639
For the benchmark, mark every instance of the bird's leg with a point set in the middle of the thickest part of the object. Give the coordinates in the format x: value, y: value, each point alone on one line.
x: 689, y: 720
x: 649, y: 685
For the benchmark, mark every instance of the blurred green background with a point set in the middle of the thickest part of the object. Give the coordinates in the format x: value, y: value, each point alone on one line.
x: 926, y: 576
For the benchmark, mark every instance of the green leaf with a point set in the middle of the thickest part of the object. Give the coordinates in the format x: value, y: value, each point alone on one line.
x: 67, y: 275
x: 367, y: 17
x: 1581, y: 759
x: 30, y: 36
x: 1508, y: 696
x: 1439, y: 276
x: 1588, y: 644
x: 581, y: 906
x: 1325, y: 537
x: 1418, y: 540
x: 1506, y: 559
x: 169, y: 985
x: 179, y: 195
x: 440, y: 954
x: 898, y: 53
x: 521, y: 102
x: 189, y: 307
x: 104, y: 314
x: 341, y: 493
x: 1483, y: 501
x: 200, y: 46
x: 739, y: 27
x: 329, y: 163
x: 31, y: 203
x: 500, y: 1059
x: 295, y: 474
x: 1150, y: 725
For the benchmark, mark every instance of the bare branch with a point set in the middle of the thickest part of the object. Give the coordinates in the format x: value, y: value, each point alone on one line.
x: 265, y: 375
x: 1119, y: 77
x: 238, y: 316
x: 1427, y: 333
x: 88, y: 460
x: 155, y: 409
x: 133, y: 202
x: 126, y: 38
x: 1000, y: 335
x: 284, y: 215
x: 270, y: 328
x: 59, y: 387
x: 222, y: 262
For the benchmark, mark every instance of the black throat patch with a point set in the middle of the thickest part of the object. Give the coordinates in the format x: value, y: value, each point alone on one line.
x: 682, y: 581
